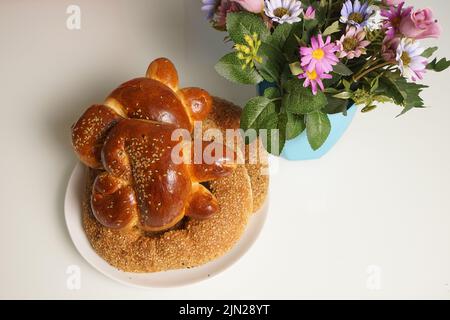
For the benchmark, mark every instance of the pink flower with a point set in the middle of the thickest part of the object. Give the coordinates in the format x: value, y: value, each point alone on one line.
x: 392, y: 2
x: 420, y: 25
x: 255, y: 6
x: 393, y: 18
x: 352, y: 44
x: 310, y: 13
x: 320, y: 57
x: 314, y: 79
x: 389, y: 48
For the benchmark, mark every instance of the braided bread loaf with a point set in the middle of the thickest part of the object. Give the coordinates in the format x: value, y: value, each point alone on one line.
x: 130, y: 138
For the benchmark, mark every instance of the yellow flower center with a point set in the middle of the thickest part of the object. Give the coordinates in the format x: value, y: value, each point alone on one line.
x: 311, y: 75
x: 280, y: 12
x: 356, y: 17
x: 406, y: 59
x: 318, y: 54
x: 350, y: 44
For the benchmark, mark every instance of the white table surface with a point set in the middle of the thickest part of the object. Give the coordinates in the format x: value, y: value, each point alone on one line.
x: 376, y: 208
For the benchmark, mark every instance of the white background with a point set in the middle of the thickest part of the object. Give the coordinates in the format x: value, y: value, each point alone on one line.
x: 380, y: 198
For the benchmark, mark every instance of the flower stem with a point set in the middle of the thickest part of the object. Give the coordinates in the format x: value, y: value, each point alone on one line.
x: 330, y: 7
x: 369, y: 63
x: 356, y: 78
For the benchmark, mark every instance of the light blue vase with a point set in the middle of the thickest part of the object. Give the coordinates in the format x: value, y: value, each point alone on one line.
x: 299, y: 149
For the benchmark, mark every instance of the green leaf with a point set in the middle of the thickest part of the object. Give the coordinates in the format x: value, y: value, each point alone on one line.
x: 403, y: 93
x: 318, y: 128
x: 291, y: 44
x: 347, y: 84
x: 343, y: 95
x: 342, y: 69
x: 296, y: 68
x: 300, y: 100
x: 269, y: 121
x: 331, y: 83
x: 257, y: 113
x: 272, y: 93
x: 295, y: 125
x: 332, y: 29
x: 374, y: 84
x: 230, y: 67
x: 275, y: 139
x: 405, y: 111
x: 335, y: 105
x: 438, y: 66
x: 273, y: 61
x: 241, y: 24
x: 300, y: 41
x: 442, y: 65
x: 282, y: 127
x: 382, y: 99
x: 429, y: 52
x: 273, y: 133
x: 368, y: 109
x: 310, y: 24
x: 329, y: 90
x: 389, y: 85
x: 280, y: 35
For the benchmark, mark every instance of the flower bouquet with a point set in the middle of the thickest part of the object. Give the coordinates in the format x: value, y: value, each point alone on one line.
x: 320, y: 58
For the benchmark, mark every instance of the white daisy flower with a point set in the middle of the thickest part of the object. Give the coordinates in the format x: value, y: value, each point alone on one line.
x: 283, y: 11
x: 410, y: 61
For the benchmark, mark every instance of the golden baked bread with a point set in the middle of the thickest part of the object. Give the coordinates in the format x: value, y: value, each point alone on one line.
x: 144, y: 212
x: 226, y: 115
x: 155, y: 97
x: 142, y: 186
x: 131, y: 138
x: 190, y: 244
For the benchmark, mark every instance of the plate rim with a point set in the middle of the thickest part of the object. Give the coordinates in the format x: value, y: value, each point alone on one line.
x: 77, y: 175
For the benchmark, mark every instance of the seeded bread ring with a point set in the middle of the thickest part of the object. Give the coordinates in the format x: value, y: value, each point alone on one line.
x: 190, y: 244
x: 226, y: 115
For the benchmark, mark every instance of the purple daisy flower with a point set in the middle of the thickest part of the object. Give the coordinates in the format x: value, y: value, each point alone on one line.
x: 393, y: 17
x: 355, y: 13
x: 209, y: 8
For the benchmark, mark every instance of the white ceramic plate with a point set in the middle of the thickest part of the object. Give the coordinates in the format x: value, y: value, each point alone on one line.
x: 73, y: 214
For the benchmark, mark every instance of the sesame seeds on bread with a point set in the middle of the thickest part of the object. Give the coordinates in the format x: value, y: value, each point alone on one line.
x: 226, y: 115
x: 192, y: 242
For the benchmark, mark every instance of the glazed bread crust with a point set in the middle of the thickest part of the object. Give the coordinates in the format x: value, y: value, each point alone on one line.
x: 90, y: 131
x: 143, y: 184
x: 155, y: 97
x: 226, y: 115
x: 190, y: 244
x: 130, y: 137
x: 142, y: 212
